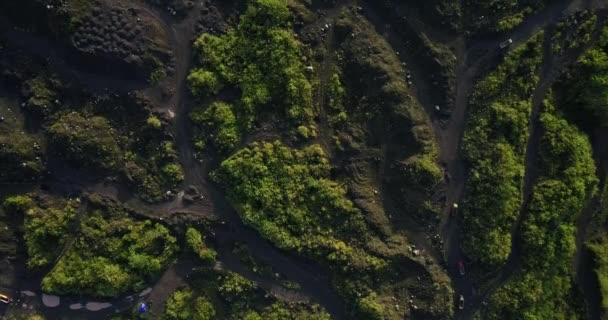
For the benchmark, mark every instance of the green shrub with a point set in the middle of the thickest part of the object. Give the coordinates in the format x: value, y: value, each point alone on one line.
x: 235, y: 288
x: 217, y: 125
x: 179, y: 306
x: 174, y: 173
x: 17, y: 204
x: 46, y: 227
x: 195, y: 242
x: 153, y: 122
x: 203, y: 309
x: 264, y: 59
x: 370, y: 309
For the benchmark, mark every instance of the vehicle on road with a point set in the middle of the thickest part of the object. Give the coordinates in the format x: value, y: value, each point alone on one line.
x: 454, y: 209
x: 5, y: 299
x: 461, y: 302
x: 461, y: 267
x: 506, y: 43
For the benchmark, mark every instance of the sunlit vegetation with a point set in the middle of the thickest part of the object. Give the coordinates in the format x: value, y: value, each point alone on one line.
x: 217, y: 126
x: 287, y: 196
x: 183, y: 306
x: 214, y: 294
x: 494, y: 146
x: 111, y: 255
x: 544, y: 288
x: 336, y: 98
x: 195, y: 241
x: 573, y: 32
x: 262, y: 57
x: 585, y: 90
x: 46, y: 226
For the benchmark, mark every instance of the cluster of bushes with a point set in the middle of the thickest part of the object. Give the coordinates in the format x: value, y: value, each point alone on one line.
x: 111, y: 255
x: 336, y: 98
x: 262, y: 57
x: 573, y: 32
x: 194, y: 239
x: 47, y: 223
x: 288, y: 197
x: 585, y: 89
x: 234, y: 297
x: 494, y: 146
x: 216, y: 125
x: 543, y: 289
x: 183, y: 305
x: 499, y: 16
x: 599, y: 249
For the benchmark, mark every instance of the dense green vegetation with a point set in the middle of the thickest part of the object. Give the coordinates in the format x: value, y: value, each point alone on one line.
x: 585, y: 90
x: 183, y: 306
x: 213, y: 294
x: 262, y: 57
x: 287, y: 196
x: 599, y: 249
x: 217, y: 126
x: 194, y: 239
x: 46, y: 226
x: 112, y: 254
x: 494, y: 146
x: 544, y: 288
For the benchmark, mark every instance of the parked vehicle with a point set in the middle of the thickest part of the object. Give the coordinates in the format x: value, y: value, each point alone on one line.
x: 454, y: 209
x: 461, y: 267
x: 461, y: 302
x: 5, y: 299
x: 506, y: 43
